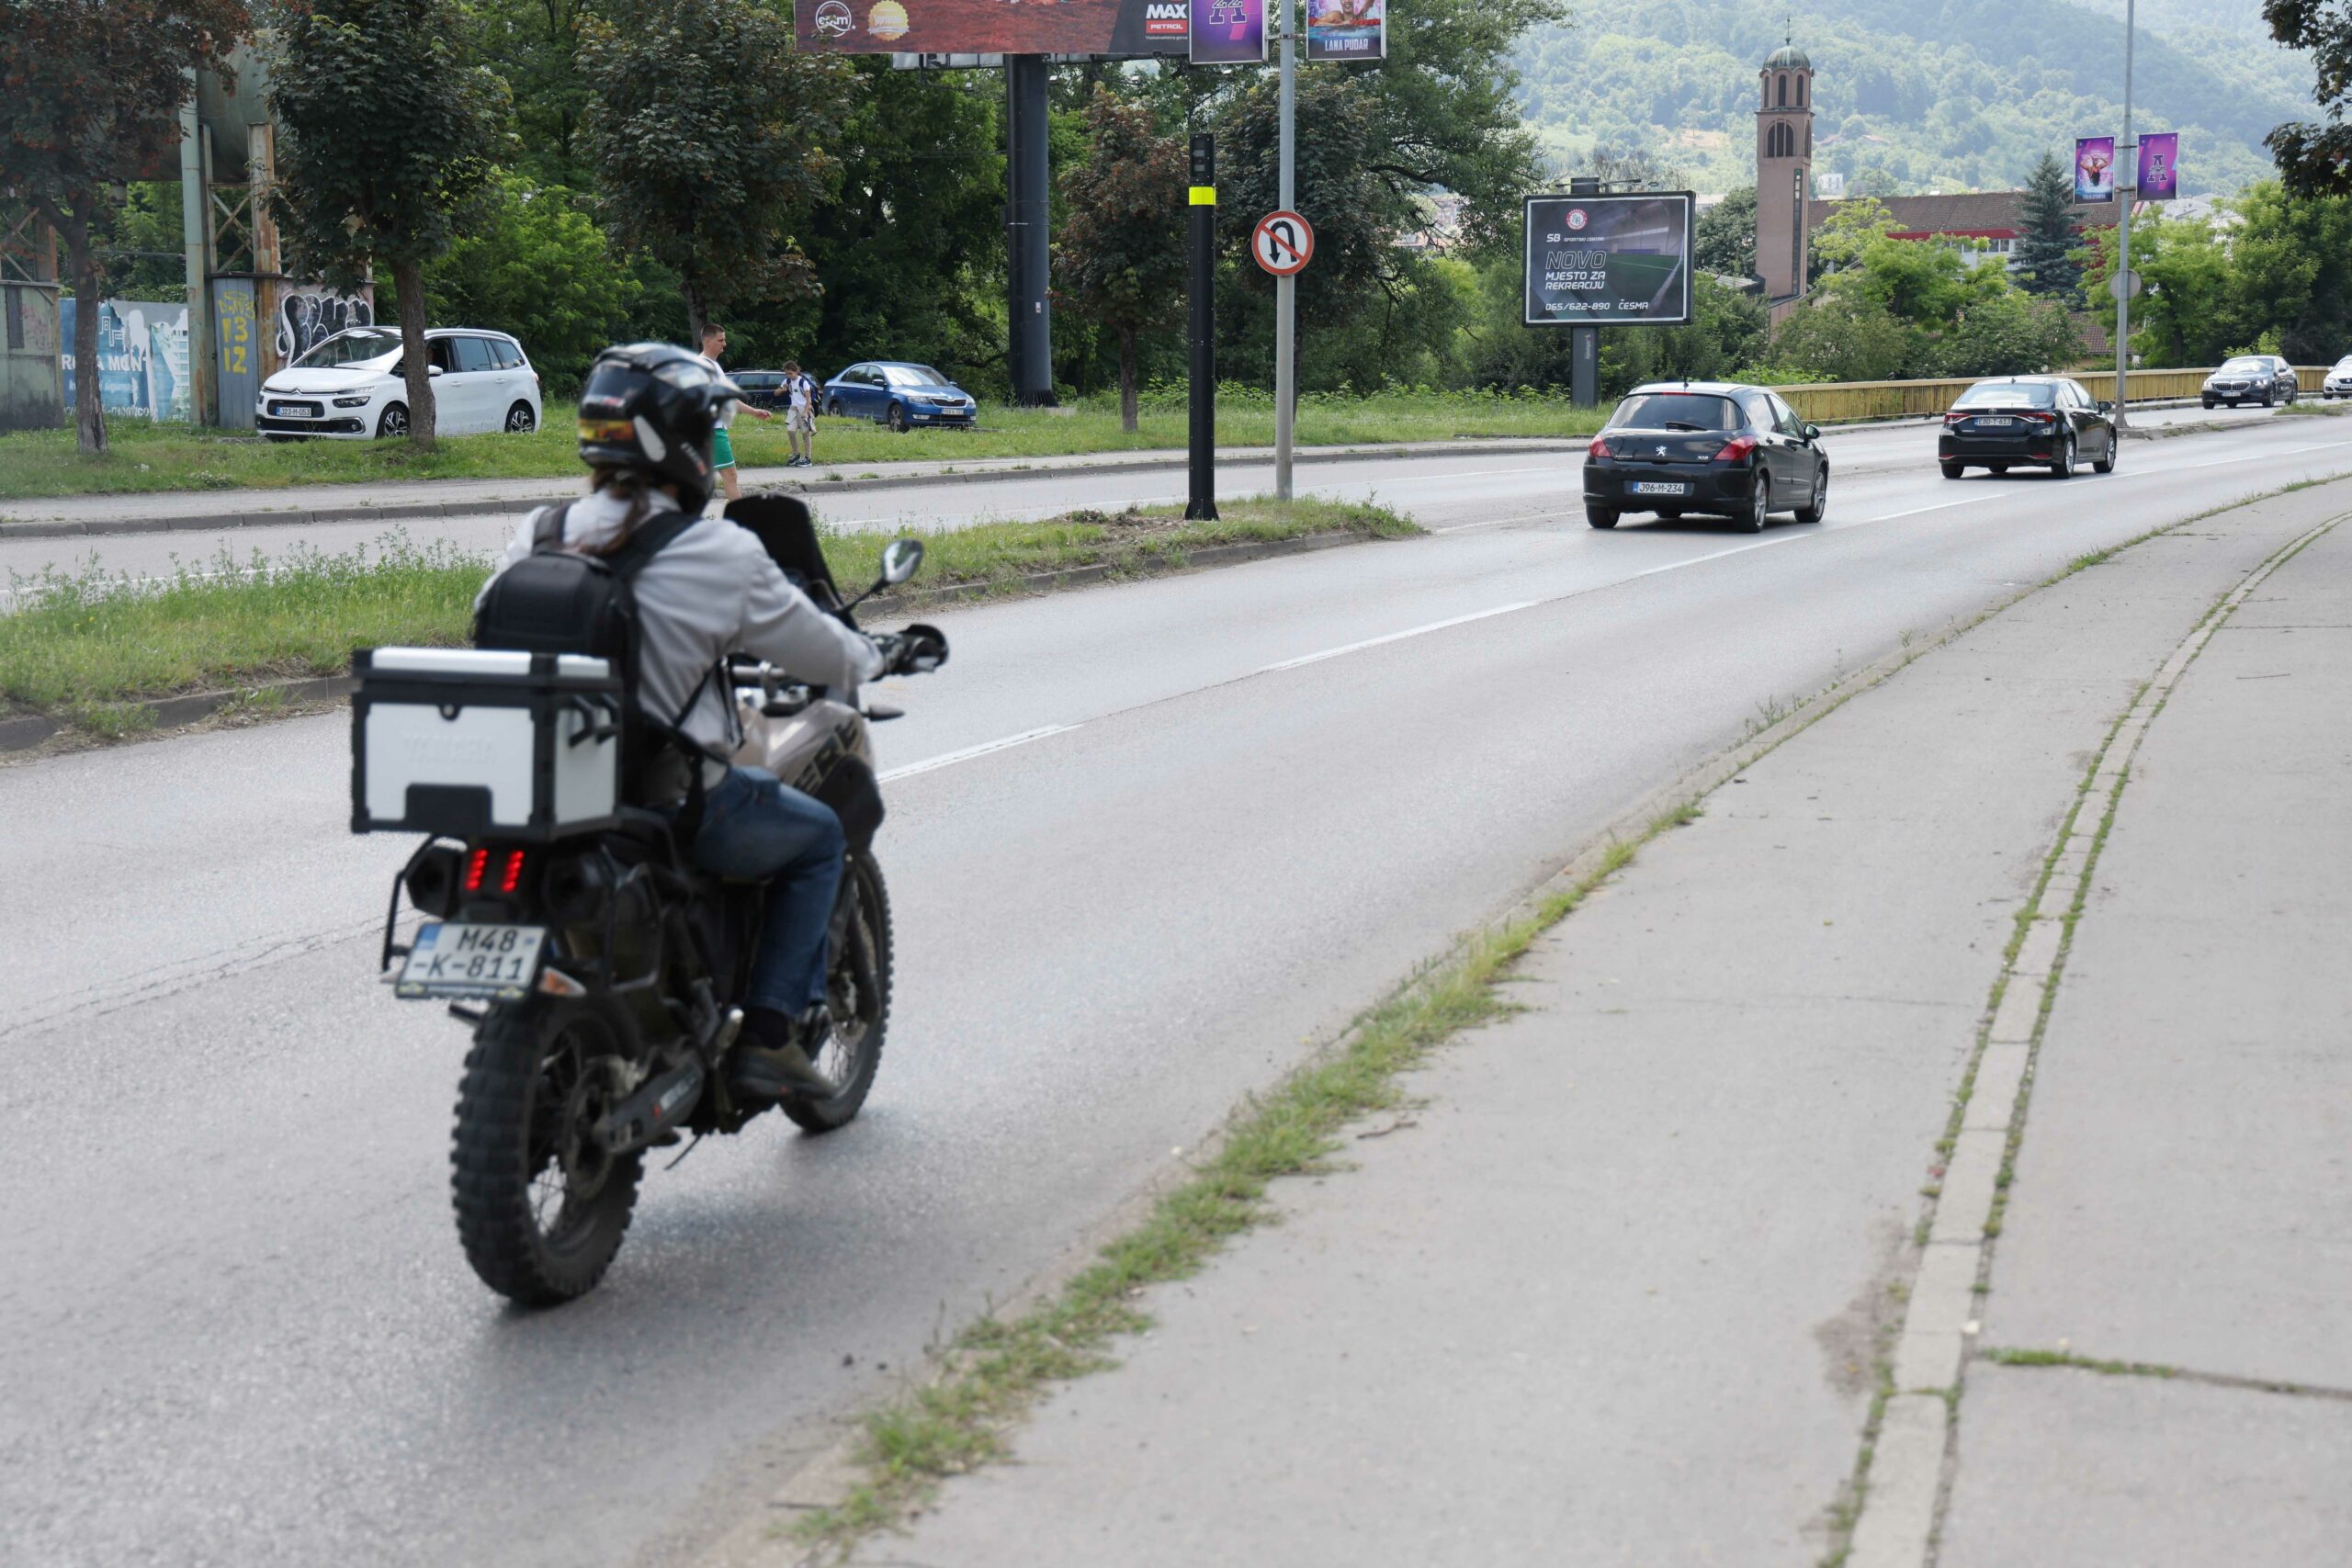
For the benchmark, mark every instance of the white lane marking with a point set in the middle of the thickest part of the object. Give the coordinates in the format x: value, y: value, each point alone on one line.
x: 1392, y: 637
x: 949, y: 758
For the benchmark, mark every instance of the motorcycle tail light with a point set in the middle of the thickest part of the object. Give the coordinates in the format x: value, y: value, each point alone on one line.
x: 476, y: 866
x: 1736, y: 449
x: 510, y: 876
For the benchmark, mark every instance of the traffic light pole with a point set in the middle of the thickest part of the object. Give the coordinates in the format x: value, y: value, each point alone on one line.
x: 1286, y: 289
x: 1203, y: 501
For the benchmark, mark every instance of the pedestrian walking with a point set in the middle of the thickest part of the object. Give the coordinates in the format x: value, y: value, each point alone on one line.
x: 800, y: 415
x: 722, y: 444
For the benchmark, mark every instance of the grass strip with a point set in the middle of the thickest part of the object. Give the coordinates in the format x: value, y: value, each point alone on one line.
x: 82, y: 646
x: 997, y: 1369
x: 148, y: 456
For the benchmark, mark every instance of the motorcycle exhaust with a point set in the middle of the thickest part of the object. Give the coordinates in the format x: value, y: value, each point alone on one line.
x: 658, y: 1107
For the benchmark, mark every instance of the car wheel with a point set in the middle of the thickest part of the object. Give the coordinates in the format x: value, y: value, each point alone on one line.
x: 1817, y: 508
x: 897, y: 418
x: 1600, y: 516
x: 2269, y: 399
x: 1759, y: 507
x: 2107, y: 465
x: 2209, y: 404
x: 393, y: 421
x: 2064, y: 468
x: 832, y: 409
x: 1953, y: 470
x: 519, y: 421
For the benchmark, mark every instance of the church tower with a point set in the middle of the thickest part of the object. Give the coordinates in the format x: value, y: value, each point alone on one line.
x: 1783, y: 170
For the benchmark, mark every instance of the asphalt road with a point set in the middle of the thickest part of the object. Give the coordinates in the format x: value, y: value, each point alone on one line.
x: 1146, y: 842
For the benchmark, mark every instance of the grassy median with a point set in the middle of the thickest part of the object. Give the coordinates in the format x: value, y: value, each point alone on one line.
x: 86, y: 646
x: 149, y: 456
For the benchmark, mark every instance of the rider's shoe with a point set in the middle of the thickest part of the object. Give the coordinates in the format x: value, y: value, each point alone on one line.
x: 776, y: 1055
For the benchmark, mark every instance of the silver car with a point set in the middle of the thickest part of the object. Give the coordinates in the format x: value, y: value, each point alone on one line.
x: 2339, y: 380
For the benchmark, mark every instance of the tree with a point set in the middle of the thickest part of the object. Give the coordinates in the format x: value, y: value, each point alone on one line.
x: 710, y: 138
x: 536, y: 44
x: 1121, y: 251
x: 386, y: 143
x: 90, y: 94
x: 2315, y: 157
x: 1724, y: 242
x: 1844, y: 336
x: 535, y: 265
x: 2044, y: 253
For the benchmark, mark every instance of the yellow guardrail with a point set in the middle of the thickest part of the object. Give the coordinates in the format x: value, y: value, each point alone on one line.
x: 1823, y: 402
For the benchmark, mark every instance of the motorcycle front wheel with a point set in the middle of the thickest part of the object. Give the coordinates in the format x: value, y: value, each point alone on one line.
x: 857, y: 990
x: 541, y: 1207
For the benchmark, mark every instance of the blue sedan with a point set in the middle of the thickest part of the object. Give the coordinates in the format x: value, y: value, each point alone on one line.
x: 899, y: 395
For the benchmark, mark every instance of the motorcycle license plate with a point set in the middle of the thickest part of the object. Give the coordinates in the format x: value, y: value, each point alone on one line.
x: 1658, y: 487
x: 453, y: 960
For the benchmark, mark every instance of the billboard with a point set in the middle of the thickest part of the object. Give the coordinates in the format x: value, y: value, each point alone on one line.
x: 1229, y: 32
x: 1117, y: 28
x: 1609, y: 260
x: 2160, y: 167
x: 1346, y: 29
x: 2094, y: 168
x: 143, y: 356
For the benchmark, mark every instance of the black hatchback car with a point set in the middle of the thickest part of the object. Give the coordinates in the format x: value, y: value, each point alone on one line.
x: 1706, y: 447
x: 2024, y: 422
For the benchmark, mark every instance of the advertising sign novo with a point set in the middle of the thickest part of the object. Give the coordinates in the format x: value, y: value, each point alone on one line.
x: 1228, y: 32
x: 2160, y: 167
x: 1116, y: 27
x: 2094, y: 168
x: 1346, y: 29
x: 1595, y: 261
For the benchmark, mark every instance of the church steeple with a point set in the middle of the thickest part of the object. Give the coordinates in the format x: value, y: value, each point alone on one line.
x: 1783, y: 169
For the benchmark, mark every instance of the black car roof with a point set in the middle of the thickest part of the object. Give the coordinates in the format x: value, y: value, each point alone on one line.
x: 1718, y: 388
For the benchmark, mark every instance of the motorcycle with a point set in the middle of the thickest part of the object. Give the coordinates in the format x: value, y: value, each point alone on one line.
x: 602, y: 972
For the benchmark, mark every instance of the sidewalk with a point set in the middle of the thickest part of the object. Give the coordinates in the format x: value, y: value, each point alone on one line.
x: 1627, y: 1286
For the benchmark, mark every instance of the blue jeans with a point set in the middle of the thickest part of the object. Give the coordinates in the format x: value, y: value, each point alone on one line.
x: 756, y: 828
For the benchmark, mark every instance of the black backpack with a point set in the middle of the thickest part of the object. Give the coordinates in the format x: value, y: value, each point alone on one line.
x: 558, y: 601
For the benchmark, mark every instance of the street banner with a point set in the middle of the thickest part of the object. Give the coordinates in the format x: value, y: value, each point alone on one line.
x: 1346, y: 29
x: 1114, y: 28
x: 1228, y: 32
x: 1609, y: 260
x: 2094, y: 168
x: 2160, y: 167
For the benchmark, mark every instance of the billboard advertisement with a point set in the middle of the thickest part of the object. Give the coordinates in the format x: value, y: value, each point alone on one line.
x: 1346, y: 29
x: 2160, y: 167
x: 1117, y: 28
x: 1228, y: 32
x: 143, y: 356
x: 1609, y: 260
x: 2094, y: 168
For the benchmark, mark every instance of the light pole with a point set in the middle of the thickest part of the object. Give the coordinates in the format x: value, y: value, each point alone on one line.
x: 2126, y: 161
x: 1286, y: 287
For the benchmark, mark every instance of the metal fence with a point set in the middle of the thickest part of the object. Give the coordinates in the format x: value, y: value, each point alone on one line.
x: 1832, y: 400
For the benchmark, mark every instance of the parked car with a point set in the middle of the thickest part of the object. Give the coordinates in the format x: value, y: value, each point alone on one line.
x: 2262, y: 379
x: 897, y: 394
x: 762, y: 389
x: 1705, y: 446
x: 349, y: 387
x: 2025, y: 421
x: 2339, y: 380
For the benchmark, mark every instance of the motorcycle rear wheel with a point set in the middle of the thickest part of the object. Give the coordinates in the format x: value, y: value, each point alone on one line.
x: 857, y: 988
x: 541, y: 1209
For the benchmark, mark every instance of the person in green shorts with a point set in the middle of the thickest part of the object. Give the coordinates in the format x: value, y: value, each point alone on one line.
x: 722, y: 445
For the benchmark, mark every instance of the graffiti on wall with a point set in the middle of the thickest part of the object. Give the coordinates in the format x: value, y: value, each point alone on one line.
x: 143, y: 356
x: 310, y: 314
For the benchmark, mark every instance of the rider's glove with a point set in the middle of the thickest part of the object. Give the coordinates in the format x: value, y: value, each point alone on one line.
x: 917, y: 650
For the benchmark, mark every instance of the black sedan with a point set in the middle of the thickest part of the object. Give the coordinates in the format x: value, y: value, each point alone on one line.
x: 2264, y: 379
x: 2027, y: 422
x: 1710, y: 447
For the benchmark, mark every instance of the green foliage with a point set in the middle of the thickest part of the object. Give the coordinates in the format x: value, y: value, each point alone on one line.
x: 534, y: 44
x: 1725, y: 241
x: 2045, y: 251
x: 2281, y: 266
x: 2315, y: 157
x: 1120, y: 250
x: 710, y: 139
x: 1845, y: 336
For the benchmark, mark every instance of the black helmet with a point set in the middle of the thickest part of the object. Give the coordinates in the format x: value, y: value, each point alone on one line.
x: 650, y: 407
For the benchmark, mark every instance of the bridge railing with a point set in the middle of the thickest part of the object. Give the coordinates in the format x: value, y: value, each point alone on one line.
x: 1824, y: 402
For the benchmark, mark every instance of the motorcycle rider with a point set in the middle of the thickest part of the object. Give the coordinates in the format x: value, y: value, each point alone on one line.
x: 647, y: 414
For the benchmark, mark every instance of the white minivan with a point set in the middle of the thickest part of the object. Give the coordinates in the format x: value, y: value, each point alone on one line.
x: 349, y: 387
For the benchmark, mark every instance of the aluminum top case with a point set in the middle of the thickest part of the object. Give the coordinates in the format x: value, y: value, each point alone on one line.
x: 479, y: 743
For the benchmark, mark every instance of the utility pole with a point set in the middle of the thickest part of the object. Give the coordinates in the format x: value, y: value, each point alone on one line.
x: 1286, y: 287
x: 1584, y: 343
x: 2127, y: 160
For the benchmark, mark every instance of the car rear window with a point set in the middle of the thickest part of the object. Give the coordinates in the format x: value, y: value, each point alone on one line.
x: 1664, y: 410
x: 2008, y: 395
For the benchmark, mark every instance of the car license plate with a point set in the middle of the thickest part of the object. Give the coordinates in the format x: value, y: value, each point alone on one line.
x: 295, y: 410
x: 1989, y: 424
x: 1659, y: 487
x: 452, y: 960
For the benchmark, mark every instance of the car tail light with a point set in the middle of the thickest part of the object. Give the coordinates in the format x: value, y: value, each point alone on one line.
x: 1599, y: 447
x: 1736, y: 449
x: 1956, y: 417
x: 2041, y: 418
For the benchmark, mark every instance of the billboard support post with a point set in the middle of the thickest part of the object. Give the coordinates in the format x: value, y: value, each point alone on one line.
x: 1201, y: 503
x: 1026, y: 216
x: 1584, y: 343
x: 1286, y: 287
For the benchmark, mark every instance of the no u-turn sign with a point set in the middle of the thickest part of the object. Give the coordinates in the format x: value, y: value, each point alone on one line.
x: 1282, y: 242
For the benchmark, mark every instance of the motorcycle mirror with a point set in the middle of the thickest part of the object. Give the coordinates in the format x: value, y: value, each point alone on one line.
x: 899, y: 560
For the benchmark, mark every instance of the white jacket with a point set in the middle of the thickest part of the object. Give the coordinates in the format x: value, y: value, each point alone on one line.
x: 710, y: 591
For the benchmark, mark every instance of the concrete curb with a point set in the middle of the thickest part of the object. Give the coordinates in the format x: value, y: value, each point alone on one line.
x: 22, y: 732
x: 1906, y: 1478
x: 63, y: 528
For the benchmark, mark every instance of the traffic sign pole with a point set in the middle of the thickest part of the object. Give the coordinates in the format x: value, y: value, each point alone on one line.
x: 1287, y: 284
